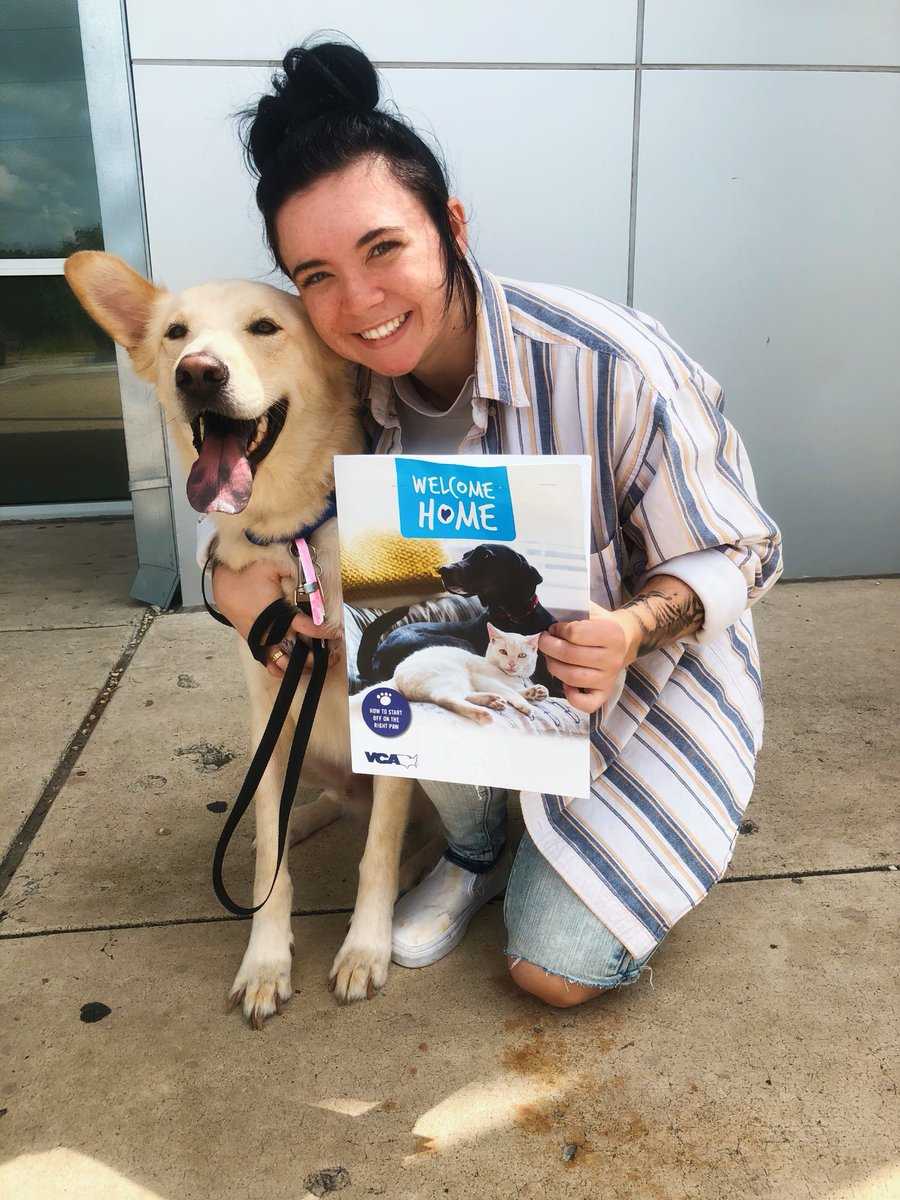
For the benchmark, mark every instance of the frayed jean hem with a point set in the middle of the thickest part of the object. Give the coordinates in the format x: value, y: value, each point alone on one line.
x: 608, y: 984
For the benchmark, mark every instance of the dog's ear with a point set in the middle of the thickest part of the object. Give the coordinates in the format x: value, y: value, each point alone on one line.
x: 534, y: 576
x: 119, y: 300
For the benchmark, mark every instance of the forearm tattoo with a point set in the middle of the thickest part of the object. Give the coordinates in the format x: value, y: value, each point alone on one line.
x: 665, y: 616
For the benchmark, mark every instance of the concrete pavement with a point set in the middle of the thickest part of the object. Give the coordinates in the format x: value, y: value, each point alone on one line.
x: 757, y: 1060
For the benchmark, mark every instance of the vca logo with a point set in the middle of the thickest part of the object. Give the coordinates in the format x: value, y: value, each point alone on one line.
x: 392, y: 760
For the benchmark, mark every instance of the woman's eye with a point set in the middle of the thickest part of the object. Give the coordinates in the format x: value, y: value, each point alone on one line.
x: 263, y: 326
x: 316, y: 277
x: 382, y: 248
x: 176, y: 331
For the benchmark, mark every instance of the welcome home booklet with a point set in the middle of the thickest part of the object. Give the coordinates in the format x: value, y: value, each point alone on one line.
x: 496, y: 548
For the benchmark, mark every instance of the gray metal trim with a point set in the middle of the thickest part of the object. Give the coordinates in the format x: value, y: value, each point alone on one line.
x: 107, y: 71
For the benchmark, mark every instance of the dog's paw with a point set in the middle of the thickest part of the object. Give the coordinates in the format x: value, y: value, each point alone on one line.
x: 360, y: 968
x: 263, y: 983
x: 538, y: 692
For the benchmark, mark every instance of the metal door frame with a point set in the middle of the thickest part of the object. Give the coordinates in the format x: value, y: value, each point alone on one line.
x: 107, y: 72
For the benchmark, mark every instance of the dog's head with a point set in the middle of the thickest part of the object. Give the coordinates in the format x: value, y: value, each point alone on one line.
x: 236, y: 364
x: 498, y: 575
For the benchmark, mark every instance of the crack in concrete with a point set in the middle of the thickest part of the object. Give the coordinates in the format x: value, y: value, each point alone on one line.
x: 71, y: 754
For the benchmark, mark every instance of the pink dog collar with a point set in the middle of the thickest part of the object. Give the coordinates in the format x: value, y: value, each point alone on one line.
x: 309, y: 589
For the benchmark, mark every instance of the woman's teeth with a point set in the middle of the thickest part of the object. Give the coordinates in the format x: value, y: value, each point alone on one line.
x: 381, y: 331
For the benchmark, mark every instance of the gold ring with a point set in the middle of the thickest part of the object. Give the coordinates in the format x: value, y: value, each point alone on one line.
x: 275, y: 657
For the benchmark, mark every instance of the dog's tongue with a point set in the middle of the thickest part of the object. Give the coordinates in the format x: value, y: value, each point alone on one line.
x: 220, y: 479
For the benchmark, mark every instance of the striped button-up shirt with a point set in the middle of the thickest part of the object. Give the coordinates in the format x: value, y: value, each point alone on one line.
x: 559, y: 371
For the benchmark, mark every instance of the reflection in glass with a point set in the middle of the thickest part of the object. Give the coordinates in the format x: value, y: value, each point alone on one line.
x: 61, y: 434
x: 48, y: 190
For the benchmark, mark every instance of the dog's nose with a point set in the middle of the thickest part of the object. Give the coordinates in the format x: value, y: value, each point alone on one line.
x: 201, y: 375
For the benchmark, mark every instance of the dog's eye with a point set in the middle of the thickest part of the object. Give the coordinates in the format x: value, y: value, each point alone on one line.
x: 263, y: 327
x: 176, y: 331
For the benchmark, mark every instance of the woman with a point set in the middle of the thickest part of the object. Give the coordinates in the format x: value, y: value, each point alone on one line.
x: 451, y: 359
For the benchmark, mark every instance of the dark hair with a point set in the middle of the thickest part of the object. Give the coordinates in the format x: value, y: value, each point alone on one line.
x: 322, y: 117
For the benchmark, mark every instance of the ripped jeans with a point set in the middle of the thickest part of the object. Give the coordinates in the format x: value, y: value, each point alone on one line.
x: 546, y: 922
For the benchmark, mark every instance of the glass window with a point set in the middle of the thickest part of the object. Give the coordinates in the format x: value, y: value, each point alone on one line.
x: 48, y: 189
x: 61, y: 437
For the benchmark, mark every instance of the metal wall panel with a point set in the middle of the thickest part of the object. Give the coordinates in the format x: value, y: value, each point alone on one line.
x: 767, y: 243
x: 488, y: 31
x: 811, y: 32
x: 563, y: 220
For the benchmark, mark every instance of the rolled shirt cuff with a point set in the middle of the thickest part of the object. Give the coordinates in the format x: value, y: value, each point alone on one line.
x: 719, y: 584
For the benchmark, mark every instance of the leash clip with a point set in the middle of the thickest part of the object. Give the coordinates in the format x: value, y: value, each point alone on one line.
x: 308, y: 590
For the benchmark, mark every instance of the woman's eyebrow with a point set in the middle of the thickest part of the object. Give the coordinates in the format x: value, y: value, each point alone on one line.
x: 309, y: 263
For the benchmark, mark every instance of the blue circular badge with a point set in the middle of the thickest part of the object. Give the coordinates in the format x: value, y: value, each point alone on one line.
x: 386, y: 712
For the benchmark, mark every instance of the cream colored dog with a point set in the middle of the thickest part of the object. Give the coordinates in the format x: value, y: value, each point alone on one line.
x: 259, y: 407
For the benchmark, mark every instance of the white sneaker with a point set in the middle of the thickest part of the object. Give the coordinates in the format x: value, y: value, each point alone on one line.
x: 430, y: 920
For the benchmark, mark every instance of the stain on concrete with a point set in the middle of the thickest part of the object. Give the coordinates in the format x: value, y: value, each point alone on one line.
x: 187, y: 681
x: 748, y: 827
x: 534, y: 1118
x: 217, y: 806
x: 94, y: 1011
x: 207, y: 756
x: 148, y: 783
x: 331, y: 1179
x: 542, y: 1057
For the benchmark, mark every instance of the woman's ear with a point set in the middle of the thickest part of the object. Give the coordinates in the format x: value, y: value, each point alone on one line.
x: 458, y: 222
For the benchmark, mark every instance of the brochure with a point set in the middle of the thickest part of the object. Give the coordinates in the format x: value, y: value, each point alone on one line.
x: 451, y: 567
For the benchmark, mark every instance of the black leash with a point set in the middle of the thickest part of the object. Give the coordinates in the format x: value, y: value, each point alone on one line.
x: 268, y: 629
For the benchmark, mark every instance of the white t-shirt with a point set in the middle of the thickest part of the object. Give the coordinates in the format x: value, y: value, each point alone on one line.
x: 425, y: 429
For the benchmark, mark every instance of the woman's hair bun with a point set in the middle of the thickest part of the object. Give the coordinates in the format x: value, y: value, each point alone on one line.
x: 331, y: 77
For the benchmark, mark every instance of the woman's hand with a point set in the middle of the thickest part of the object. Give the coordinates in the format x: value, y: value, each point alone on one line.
x: 588, y: 656
x: 242, y: 595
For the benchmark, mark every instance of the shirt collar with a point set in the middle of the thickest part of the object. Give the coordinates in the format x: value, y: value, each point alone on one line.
x: 497, y: 374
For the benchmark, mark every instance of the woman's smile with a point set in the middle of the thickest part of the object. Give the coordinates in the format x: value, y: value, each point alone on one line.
x: 386, y: 332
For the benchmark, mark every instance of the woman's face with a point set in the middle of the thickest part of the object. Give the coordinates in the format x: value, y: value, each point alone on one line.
x: 366, y: 260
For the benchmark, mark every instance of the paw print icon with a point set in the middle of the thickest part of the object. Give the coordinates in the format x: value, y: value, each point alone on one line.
x: 384, y: 697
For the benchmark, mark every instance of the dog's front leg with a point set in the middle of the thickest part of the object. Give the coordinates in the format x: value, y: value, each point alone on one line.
x: 361, y: 965
x: 264, y: 978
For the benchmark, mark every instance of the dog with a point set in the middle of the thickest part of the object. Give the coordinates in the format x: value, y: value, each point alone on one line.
x: 259, y: 406
x: 504, y: 582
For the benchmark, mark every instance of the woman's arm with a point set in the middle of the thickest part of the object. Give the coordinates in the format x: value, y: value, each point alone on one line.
x: 665, y: 610
x: 588, y: 656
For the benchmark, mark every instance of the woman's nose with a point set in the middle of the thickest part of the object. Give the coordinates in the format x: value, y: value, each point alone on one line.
x: 361, y: 295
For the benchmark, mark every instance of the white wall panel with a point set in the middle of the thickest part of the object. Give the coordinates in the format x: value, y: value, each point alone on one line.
x: 768, y: 244
x: 508, y: 31
x: 541, y: 159
x: 811, y: 32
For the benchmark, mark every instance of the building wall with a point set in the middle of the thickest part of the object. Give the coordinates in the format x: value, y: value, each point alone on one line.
x: 731, y: 168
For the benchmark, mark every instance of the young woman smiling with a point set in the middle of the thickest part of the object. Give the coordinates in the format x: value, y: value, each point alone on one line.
x: 452, y: 359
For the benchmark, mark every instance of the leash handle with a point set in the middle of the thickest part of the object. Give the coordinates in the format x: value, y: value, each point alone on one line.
x: 264, y: 750
x: 267, y: 630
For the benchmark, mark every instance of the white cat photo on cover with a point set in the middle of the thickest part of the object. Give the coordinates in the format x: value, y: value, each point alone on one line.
x: 469, y: 684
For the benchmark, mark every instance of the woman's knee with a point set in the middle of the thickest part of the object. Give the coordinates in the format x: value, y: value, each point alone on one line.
x: 552, y: 989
